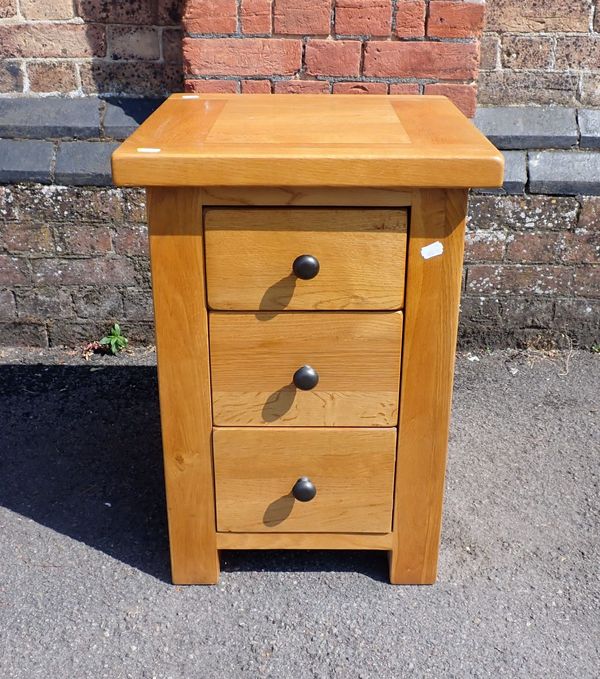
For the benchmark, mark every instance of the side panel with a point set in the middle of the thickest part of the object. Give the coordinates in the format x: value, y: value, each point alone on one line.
x: 176, y: 248
x: 431, y: 320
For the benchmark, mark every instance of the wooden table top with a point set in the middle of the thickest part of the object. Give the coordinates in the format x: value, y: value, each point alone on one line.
x: 307, y: 140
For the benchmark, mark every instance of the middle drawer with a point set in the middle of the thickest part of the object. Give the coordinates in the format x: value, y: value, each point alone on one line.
x: 355, y: 357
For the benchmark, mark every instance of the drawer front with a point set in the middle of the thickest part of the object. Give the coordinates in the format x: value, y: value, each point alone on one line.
x: 254, y: 358
x: 352, y: 471
x: 250, y: 254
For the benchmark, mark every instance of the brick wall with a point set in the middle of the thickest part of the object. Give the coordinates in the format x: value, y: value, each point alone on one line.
x: 532, y: 271
x: 541, y: 52
x: 90, y: 46
x: 73, y: 261
x: 334, y: 46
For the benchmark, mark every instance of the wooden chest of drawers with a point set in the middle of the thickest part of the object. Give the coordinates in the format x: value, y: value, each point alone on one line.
x: 306, y: 261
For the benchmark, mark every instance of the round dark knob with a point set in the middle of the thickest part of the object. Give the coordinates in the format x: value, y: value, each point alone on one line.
x: 304, y: 489
x: 306, y: 378
x: 306, y: 267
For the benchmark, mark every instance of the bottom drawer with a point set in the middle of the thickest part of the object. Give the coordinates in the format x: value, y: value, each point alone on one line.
x: 351, y: 470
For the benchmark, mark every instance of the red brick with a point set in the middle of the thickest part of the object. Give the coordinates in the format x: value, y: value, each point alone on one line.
x: 405, y: 88
x: 333, y: 57
x: 99, y: 270
x: 43, y: 303
x: 8, y: 8
x: 13, y: 271
x: 410, y: 19
x: 543, y: 247
x: 27, y: 239
x: 256, y: 86
x: 47, y: 9
x: 52, y: 40
x: 302, y: 17
x: 138, y: 305
x: 131, y: 239
x: 8, y: 309
x: 205, y: 86
x: 251, y: 56
x: 484, y: 246
x: 589, y: 217
x: 463, y: 96
x: 505, y: 280
x: 255, y: 17
x: 456, y: 61
x: 586, y: 281
x: 171, y: 40
x: 133, y: 42
x: 301, y: 87
x: 82, y: 239
x: 23, y: 335
x: 98, y: 302
x: 581, y: 247
x: 455, y: 19
x: 210, y: 16
x: 360, y: 88
x: 51, y: 76
x: 363, y: 17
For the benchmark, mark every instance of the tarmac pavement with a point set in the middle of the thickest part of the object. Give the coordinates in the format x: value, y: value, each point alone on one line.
x: 84, y: 574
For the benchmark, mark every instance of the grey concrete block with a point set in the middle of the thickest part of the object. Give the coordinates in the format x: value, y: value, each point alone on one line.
x: 25, y: 161
x: 515, y: 174
x: 515, y: 171
x: 50, y: 117
x: 564, y: 172
x: 123, y: 116
x: 81, y: 162
x: 528, y: 127
x: 589, y: 127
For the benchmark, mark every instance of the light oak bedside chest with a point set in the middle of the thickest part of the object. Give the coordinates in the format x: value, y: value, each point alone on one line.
x: 306, y: 258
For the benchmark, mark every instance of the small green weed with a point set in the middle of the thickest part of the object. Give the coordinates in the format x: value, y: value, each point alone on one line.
x: 596, y: 348
x: 115, y: 340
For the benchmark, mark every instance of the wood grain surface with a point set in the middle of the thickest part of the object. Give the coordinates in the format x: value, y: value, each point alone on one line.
x: 278, y: 140
x: 250, y: 252
x: 356, y: 354
x: 309, y: 196
x: 371, y: 541
x: 432, y: 302
x: 174, y: 217
x: 352, y: 469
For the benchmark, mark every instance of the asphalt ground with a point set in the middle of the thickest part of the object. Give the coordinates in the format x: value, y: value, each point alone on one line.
x: 84, y: 574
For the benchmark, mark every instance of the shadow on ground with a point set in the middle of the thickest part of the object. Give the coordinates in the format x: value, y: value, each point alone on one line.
x: 80, y: 453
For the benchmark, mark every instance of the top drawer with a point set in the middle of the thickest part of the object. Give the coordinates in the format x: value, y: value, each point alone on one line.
x: 250, y: 253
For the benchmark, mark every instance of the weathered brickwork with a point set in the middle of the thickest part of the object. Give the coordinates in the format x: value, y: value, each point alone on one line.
x: 532, y: 271
x: 334, y: 46
x: 74, y: 260
x: 90, y: 46
x: 541, y: 52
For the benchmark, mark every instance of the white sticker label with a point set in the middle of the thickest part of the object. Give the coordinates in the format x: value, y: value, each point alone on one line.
x: 190, y: 96
x: 147, y: 150
x: 432, y: 250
